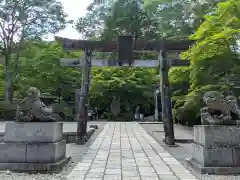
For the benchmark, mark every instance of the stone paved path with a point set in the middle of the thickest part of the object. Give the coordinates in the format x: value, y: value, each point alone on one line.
x: 124, y: 151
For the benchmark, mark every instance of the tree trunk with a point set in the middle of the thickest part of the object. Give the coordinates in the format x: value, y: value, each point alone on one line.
x: 115, y: 106
x: 15, y: 73
x: 7, y: 81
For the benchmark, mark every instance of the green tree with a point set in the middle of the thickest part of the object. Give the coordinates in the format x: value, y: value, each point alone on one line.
x: 128, y: 84
x: 171, y: 16
x: 126, y: 17
x: 90, y: 25
x: 214, y: 53
x: 178, y: 19
x: 179, y: 78
x: 40, y: 67
x: 23, y: 19
x: 214, y: 59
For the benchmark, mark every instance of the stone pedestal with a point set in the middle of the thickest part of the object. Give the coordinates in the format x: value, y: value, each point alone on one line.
x: 216, y: 149
x: 33, y: 146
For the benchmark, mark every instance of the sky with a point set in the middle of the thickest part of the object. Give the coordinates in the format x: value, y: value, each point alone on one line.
x: 74, y: 9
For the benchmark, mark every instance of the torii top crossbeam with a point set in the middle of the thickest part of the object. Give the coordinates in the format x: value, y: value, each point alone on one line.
x: 111, y: 46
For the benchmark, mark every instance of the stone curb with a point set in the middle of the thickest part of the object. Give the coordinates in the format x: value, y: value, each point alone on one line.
x: 186, y: 141
x: 90, y: 132
x: 70, y: 137
x: 150, y: 122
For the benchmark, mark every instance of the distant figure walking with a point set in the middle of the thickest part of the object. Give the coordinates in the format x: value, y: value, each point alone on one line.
x: 95, y: 114
x: 141, y: 113
x: 137, y: 114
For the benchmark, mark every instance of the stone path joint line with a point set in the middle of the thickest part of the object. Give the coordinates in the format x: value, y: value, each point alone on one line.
x: 125, y: 151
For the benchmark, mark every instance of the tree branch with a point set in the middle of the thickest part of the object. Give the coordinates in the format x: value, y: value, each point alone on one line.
x: 3, y: 38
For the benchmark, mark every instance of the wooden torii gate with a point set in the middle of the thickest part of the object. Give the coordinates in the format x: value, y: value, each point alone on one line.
x: 125, y: 46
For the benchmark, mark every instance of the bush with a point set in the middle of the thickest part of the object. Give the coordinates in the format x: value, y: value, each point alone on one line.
x: 7, y: 111
x: 121, y: 117
x: 188, y: 113
x: 187, y: 110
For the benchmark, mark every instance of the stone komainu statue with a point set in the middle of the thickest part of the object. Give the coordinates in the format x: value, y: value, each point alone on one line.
x: 220, y: 109
x: 33, y: 109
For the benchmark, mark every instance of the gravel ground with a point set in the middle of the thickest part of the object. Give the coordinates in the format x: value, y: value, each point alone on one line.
x: 75, y: 151
x: 183, y: 150
x: 24, y: 176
